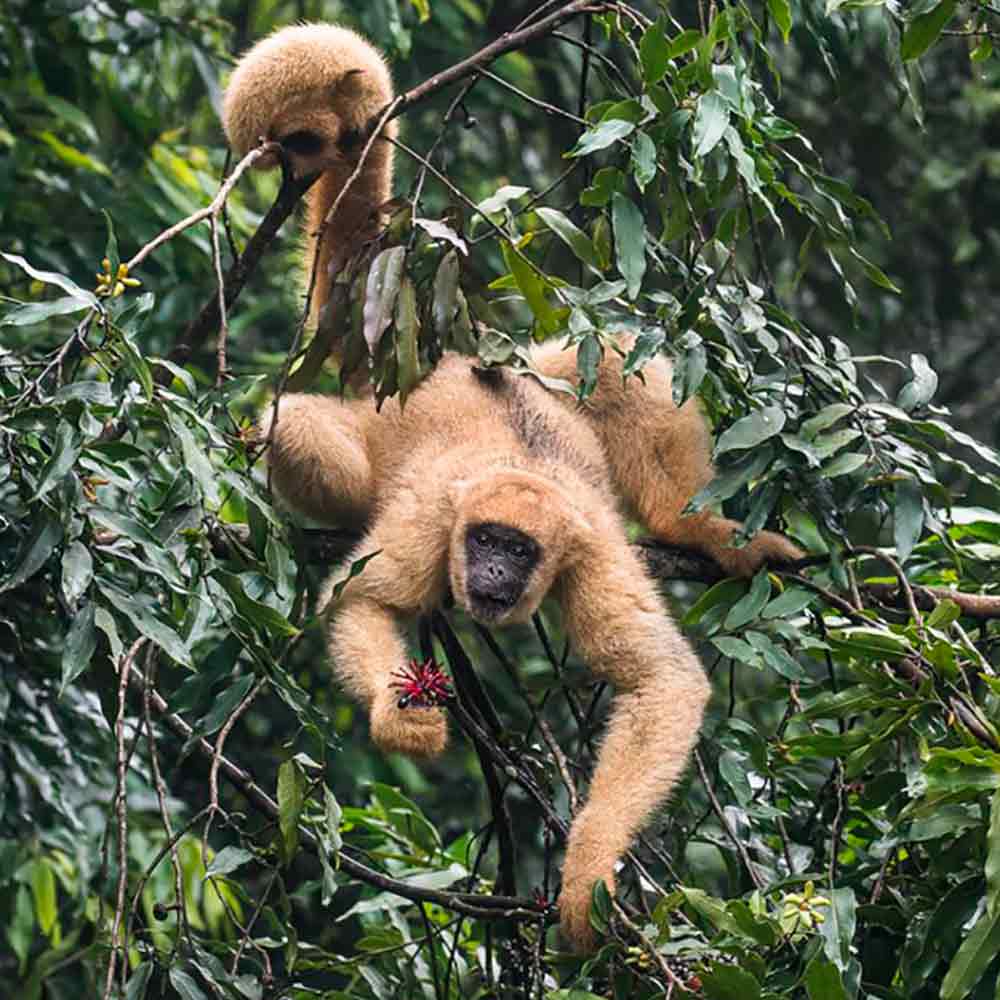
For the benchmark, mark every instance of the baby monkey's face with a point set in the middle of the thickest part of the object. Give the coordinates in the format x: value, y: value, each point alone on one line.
x: 499, y: 563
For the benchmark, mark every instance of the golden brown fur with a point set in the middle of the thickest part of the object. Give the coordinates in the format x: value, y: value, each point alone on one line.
x: 506, y: 450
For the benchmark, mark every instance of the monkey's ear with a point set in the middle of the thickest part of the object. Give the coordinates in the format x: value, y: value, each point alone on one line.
x: 456, y: 492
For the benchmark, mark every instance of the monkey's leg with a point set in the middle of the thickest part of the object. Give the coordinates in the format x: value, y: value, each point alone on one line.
x: 618, y: 624
x: 319, y: 462
x: 366, y: 646
x: 660, y: 456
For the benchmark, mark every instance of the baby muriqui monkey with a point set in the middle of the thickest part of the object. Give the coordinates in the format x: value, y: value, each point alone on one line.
x: 488, y: 486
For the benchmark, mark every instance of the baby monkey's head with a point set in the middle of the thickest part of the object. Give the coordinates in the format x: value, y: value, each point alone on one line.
x: 310, y: 87
x: 512, y: 535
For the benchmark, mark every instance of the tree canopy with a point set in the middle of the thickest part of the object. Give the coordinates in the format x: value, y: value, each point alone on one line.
x: 791, y: 200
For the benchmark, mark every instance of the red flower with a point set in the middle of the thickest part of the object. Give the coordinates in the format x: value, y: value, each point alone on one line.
x: 422, y: 685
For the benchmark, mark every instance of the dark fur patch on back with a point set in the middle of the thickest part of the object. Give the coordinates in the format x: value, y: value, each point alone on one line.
x: 494, y: 378
x: 533, y: 428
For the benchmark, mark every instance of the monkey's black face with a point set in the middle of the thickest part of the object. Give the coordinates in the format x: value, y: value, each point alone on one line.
x: 499, y: 562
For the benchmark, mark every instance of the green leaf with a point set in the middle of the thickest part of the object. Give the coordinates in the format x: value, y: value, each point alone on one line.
x: 445, y: 295
x: 148, y: 624
x: 843, y: 465
x: 224, y: 704
x: 781, y: 11
x: 823, y: 981
x: 499, y: 199
x: 921, y: 388
x: 723, y: 593
x: 381, y: 289
x: 51, y: 278
x: 791, y: 602
x: 291, y: 799
x: 738, y: 649
x: 442, y: 231
x: 603, y: 135
x: 256, y: 613
x: 687, y: 40
x: 77, y: 571
x: 81, y: 641
x: 356, y: 567
x: 643, y: 160
x: 992, y: 866
x: 752, y: 430
x: 630, y: 241
x: 588, y: 357
x: 710, y: 122
x: 606, y: 182
x: 869, y: 643
x: 749, y: 607
x: 908, y: 517
x: 923, y: 31
x: 138, y: 982
x: 43, y: 892
x: 186, y: 987
x: 227, y: 861
x: 407, y: 341
x: 776, y: 658
x: 533, y: 287
x: 65, y: 451
x: 405, y: 817
x: 654, y: 53
x: 37, y: 312
x: 111, y: 246
x: 980, y: 947
x: 729, y: 982
x: 575, y: 238
x: 35, y: 550
x: 826, y: 417
x: 838, y: 928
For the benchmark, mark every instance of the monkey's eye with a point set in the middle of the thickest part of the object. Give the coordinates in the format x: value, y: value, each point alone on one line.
x: 518, y: 551
x: 349, y: 140
x: 302, y: 142
x: 482, y: 538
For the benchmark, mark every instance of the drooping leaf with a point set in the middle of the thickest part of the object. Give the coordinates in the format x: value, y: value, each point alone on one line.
x: 654, y: 53
x: 602, y: 136
x: 710, y: 122
x: 630, y: 241
x: 752, y: 430
x: 384, y: 278
x: 574, y: 237
x: 923, y: 31
x: 908, y: 517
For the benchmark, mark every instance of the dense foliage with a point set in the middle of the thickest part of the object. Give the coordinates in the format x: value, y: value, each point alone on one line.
x: 189, y: 808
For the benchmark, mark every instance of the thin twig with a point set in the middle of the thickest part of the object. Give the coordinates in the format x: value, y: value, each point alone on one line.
x: 121, y: 807
x: 211, y: 210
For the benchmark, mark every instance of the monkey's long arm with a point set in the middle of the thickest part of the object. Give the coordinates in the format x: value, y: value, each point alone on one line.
x: 366, y: 646
x: 617, y: 623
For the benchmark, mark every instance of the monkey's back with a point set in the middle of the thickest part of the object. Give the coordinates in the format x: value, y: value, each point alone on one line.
x: 462, y: 417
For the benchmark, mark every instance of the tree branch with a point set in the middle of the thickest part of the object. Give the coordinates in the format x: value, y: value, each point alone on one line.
x: 482, y: 907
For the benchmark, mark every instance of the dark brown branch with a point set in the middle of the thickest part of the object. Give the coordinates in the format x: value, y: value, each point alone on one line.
x: 207, y: 320
x: 505, y: 43
x: 983, y: 606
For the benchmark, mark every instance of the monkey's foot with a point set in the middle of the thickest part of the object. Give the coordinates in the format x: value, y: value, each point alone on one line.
x: 765, y: 548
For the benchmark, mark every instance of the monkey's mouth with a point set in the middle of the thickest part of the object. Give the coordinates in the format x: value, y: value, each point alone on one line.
x: 488, y: 607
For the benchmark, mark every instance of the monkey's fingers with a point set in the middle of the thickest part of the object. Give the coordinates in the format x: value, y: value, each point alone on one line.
x: 420, y: 732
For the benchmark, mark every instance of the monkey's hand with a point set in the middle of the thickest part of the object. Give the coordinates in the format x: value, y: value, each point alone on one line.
x: 415, y: 730
x: 584, y: 866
